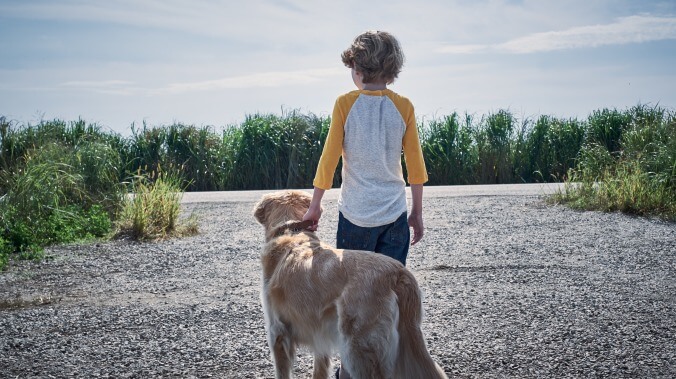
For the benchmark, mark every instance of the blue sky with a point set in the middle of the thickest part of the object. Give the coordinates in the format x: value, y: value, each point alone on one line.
x: 119, y: 62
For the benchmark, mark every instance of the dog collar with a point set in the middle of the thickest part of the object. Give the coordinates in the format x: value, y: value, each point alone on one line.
x: 293, y: 226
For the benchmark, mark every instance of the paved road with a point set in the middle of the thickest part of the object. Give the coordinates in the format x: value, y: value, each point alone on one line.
x: 429, y: 191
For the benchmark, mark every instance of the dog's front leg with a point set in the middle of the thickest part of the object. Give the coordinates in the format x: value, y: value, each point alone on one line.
x: 321, y: 369
x: 283, y: 352
x: 280, y: 340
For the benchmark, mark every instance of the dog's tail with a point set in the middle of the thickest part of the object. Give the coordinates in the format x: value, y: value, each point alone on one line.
x: 413, y: 359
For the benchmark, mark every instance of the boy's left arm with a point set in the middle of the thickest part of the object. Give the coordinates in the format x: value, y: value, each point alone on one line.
x: 417, y: 176
x: 415, y: 219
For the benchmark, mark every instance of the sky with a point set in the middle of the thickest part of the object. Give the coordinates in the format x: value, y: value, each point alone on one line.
x: 120, y: 63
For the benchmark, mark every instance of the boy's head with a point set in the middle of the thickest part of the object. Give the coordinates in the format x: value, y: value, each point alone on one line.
x: 376, y: 55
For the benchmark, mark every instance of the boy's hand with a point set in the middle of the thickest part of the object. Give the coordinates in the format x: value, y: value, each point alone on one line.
x: 415, y: 221
x: 314, y: 211
x: 314, y: 214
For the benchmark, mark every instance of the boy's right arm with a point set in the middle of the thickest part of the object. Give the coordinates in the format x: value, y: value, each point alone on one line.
x: 314, y: 212
x: 326, y: 167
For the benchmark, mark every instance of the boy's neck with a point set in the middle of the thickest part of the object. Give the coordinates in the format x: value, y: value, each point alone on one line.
x: 374, y: 86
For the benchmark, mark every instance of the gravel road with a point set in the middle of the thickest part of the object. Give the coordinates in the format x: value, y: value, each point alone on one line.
x: 514, y: 288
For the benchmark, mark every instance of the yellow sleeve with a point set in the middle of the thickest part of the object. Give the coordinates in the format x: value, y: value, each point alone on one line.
x: 415, y: 163
x: 333, y: 149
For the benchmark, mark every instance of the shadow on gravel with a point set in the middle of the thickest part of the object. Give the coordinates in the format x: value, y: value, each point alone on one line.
x: 21, y: 303
x: 489, y: 268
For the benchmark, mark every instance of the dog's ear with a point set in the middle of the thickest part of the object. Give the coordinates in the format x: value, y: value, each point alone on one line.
x: 260, y: 210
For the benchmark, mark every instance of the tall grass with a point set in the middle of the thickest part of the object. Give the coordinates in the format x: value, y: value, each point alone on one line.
x: 60, y: 182
x: 499, y: 148
x: 196, y: 151
x: 548, y: 148
x: 265, y: 151
x: 449, y: 150
x: 268, y: 151
x: 48, y: 199
x: 628, y: 166
x: 17, y: 141
x: 494, y: 137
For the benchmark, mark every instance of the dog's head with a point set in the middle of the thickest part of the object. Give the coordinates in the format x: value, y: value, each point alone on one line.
x: 277, y: 208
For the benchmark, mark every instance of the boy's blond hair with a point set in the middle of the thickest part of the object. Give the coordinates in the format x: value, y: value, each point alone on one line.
x: 376, y: 55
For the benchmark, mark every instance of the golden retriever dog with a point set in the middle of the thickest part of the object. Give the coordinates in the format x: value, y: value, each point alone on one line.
x: 365, y: 306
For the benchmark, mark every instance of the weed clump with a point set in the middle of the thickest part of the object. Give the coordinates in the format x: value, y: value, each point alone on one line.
x: 152, y: 211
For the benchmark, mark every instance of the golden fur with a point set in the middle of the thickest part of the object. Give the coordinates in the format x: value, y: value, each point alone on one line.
x: 365, y: 306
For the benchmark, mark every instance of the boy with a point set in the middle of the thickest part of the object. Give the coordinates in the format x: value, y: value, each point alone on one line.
x: 369, y: 128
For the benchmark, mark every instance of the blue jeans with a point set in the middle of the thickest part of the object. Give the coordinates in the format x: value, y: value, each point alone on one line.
x: 392, y: 239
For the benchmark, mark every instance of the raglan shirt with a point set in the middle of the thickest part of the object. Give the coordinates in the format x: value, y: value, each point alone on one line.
x: 369, y: 129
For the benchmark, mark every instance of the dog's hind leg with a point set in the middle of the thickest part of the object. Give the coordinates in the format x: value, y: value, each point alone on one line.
x: 321, y: 369
x: 362, y: 363
x: 370, y: 339
x: 363, y: 357
x: 283, y: 353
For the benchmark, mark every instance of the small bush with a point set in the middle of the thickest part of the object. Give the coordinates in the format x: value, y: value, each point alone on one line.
x: 73, y: 223
x: 5, y: 251
x: 152, y: 211
x: 20, y: 236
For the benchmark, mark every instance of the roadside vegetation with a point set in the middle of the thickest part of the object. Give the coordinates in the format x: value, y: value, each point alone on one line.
x: 70, y: 181
x: 627, y: 164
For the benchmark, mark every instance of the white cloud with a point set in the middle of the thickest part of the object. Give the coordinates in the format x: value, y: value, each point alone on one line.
x: 256, y: 80
x: 266, y: 79
x: 633, y: 29
x: 244, y: 20
x: 462, y: 49
x: 176, y: 14
x: 110, y: 87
